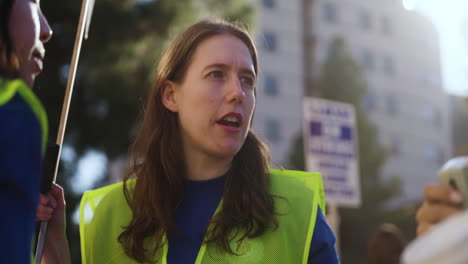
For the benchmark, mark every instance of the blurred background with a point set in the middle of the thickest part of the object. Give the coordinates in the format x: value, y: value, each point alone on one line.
x: 402, y: 64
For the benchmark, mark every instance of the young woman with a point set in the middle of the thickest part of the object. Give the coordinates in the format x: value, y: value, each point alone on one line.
x: 23, y: 124
x: 200, y: 188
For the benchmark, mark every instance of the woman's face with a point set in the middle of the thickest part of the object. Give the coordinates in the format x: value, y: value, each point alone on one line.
x: 216, y: 99
x: 28, y: 31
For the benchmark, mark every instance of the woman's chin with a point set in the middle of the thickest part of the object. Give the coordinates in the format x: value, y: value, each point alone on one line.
x: 228, y: 151
x: 28, y: 79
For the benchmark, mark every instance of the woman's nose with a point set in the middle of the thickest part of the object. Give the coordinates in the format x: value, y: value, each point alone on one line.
x: 46, y: 30
x: 236, y: 92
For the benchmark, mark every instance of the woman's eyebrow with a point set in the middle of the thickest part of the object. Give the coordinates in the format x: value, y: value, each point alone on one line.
x: 226, y: 67
x: 218, y: 66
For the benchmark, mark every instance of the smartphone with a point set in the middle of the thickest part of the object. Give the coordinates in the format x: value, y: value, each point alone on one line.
x: 455, y: 174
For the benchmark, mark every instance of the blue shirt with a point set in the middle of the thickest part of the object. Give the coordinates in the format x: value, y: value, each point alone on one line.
x: 20, y: 168
x: 200, y: 201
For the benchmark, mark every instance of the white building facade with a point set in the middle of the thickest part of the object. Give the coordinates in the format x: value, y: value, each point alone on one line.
x: 278, y: 115
x: 399, y: 53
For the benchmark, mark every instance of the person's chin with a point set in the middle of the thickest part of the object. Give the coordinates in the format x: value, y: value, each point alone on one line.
x: 34, y: 69
x: 29, y: 79
x: 228, y: 150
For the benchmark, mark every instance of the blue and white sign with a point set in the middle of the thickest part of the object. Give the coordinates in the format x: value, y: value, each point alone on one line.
x: 330, y: 142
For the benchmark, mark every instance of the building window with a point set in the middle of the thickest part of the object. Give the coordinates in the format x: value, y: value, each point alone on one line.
x: 270, y: 41
x: 269, y: 3
x: 365, y: 20
x: 437, y: 121
x: 369, y: 101
x: 434, y: 80
x: 367, y: 60
x: 391, y: 103
x: 431, y: 153
x: 330, y: 12
x: 440, y: 157
x: 425, y: 76
x: 430, y: 77
x: 395, y: 146
x: 386, y: 27
x: 388, y: 66
x: 331, y: 46
x: 427, y: 113
x: 271, y: 85
x: 273, y: 130
x: 430, y: 114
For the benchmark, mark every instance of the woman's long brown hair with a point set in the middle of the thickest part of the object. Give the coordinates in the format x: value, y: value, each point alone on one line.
x: 157, y: 162
x: 8, y: 61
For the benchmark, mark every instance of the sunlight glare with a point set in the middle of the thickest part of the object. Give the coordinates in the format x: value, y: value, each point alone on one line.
x: 450, y: 17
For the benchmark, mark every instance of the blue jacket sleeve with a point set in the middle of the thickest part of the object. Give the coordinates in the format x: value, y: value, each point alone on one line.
x: 20, y: 166
x: 322, y: 248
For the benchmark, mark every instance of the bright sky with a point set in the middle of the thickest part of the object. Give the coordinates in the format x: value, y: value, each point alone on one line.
x: 449, y: 16
x: 90, y: 168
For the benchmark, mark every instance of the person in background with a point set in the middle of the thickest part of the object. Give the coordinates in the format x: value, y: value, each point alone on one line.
x: 23, y: 124
x: 386, y: 245
x: 440, y: 202
x: 200, y: 187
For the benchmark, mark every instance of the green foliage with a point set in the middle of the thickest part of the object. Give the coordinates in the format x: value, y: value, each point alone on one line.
x: 126, y: 39
x: 232, y: 10
x: 296, y: 156
x: 114, y: 74
x: 342, y: 79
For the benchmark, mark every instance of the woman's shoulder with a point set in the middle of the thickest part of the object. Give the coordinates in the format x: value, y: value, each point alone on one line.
x: 103, y: 213
x: 111, y: 189
x: 109, y: 196
x: 295, y: 185
x: 295, y: 179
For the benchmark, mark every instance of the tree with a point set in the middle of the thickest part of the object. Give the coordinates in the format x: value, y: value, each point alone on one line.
x: 341, y: 79
x: 125, y: 40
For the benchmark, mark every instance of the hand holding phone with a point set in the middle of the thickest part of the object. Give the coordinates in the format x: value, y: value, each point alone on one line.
x: 455, y: 174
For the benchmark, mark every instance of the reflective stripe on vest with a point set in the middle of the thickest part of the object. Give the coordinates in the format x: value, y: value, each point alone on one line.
x: 8, y: 89
x: 104, y: 212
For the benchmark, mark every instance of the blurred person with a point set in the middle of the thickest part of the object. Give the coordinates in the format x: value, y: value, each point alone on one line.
x: 200, y: 188
x: 440, y: 202
x: 23, y: 124
x: 386, y: 245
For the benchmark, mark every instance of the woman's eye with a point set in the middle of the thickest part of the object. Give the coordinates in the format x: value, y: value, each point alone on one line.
x: 216, y: 75
x: 248, y: 81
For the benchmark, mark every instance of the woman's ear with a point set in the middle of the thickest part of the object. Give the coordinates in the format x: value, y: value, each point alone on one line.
x: 168, y: 95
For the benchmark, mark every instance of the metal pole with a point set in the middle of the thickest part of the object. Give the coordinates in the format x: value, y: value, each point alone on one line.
x: 333, y: 218
x: 309, y: 44
x: 86, y: 11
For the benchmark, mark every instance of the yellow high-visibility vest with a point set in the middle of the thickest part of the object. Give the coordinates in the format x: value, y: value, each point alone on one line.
x: 104, y: 212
